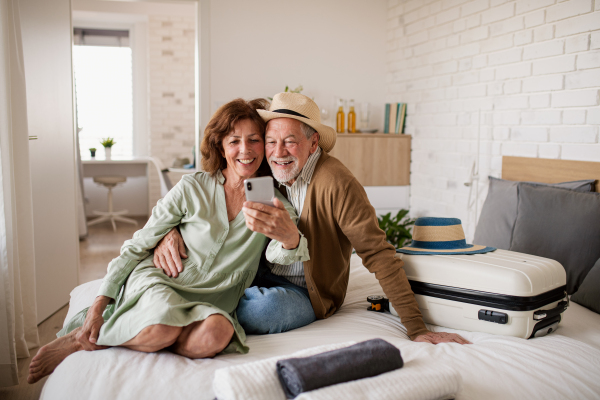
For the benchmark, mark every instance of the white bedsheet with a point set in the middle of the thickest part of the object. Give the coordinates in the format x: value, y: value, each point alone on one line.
x: 565, y: 364
x: 259, y: 381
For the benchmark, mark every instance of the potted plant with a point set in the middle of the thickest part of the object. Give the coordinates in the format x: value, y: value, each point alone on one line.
x: 397, y: 229
x: 108, y: 143
x: 93, y: 152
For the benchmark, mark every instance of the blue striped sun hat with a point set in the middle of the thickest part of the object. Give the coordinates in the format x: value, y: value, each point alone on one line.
x: 433, y: 235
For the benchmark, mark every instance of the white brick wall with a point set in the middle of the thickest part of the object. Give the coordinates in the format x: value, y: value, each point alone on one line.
x: 172, y: 91
x: 529, y: 70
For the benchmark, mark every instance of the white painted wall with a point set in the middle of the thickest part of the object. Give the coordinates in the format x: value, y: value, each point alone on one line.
x: 388, y: 199
x: 332, y: 48
x: 532, y: 68
x: 46, y: 35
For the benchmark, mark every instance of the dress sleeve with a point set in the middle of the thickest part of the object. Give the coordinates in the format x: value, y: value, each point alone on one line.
x: 276, y: 254
x: 167, y: 213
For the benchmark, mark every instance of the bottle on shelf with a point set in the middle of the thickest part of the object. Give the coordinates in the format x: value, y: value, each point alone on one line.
x: 340, y: 117
x: 351, y: 118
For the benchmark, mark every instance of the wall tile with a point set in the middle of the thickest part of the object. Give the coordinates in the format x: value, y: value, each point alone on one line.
x: 171, y: 70
x: 568, y: 9
x: 522, y: 77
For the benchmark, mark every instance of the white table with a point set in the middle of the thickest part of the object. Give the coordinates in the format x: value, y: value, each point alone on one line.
x: 124, y: 166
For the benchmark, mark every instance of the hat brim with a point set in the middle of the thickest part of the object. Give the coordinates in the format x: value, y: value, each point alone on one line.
x: 475, y: 249
x: 327, y: 135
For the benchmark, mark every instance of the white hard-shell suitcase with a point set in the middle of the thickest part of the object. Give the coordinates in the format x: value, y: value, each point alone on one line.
x: 501, y: 292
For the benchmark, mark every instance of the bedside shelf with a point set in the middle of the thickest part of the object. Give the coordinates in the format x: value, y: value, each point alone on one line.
x: 376, y: 159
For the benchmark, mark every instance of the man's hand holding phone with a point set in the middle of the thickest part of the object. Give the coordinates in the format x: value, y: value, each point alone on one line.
x: 273, y: 222
x: 266, y: 214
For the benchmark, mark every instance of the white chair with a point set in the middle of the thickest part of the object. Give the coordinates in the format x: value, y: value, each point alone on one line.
x: 163, y: 176
x: 112, y: 216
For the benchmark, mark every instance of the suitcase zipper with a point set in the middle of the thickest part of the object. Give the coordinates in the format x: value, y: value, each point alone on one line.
x: 494, y: 300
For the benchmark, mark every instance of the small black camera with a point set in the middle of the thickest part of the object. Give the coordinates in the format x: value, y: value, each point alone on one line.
x: 249, y: 185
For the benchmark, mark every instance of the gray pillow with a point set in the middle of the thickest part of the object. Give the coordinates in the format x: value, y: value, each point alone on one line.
x: 588, y: 294
x: 560, y: 224
x: 499, y: 210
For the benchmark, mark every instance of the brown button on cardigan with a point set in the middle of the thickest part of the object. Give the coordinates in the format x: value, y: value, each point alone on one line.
x: 336, y: 217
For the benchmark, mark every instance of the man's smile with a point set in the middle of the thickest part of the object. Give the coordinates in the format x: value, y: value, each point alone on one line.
x: 283, y: 162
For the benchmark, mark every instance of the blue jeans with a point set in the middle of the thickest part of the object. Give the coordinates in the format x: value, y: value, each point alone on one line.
x: 274, y: 305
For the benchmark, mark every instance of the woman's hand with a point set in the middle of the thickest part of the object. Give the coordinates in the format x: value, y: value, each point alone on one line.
x: 169, y: 252
x: 88, y: 334
x: 273, y: 222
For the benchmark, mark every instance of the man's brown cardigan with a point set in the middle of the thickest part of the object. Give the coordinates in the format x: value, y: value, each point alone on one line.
x: 336, y: 217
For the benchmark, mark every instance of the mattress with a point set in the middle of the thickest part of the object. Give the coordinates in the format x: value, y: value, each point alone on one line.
x: 564, y: 364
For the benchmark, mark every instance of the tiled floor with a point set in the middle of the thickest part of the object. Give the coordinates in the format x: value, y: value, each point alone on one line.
x: 95, y: 252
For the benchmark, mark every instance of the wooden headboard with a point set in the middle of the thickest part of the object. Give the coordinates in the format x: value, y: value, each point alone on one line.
x: 549, y: 171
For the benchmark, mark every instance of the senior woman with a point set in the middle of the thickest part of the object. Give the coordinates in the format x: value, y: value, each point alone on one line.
x: 140, y: 307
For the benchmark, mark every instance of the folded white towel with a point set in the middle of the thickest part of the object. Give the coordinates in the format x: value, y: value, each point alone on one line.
x: 417, y: 380
x: 258, y: 380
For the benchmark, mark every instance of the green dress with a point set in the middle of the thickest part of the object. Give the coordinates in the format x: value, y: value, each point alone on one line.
x: 222, y: 261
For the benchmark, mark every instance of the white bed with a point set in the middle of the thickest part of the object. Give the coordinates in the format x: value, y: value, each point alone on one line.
x: 565, y: 364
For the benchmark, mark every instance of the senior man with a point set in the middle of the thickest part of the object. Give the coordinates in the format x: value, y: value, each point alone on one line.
x: 335, y: 216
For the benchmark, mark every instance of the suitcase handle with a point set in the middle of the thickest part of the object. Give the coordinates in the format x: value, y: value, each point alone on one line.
x: 546, y: 314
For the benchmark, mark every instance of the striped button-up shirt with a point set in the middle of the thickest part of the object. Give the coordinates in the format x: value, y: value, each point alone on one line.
x: 296, y: 195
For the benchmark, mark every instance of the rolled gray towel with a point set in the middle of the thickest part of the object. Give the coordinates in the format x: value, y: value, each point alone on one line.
x: 362, y: 360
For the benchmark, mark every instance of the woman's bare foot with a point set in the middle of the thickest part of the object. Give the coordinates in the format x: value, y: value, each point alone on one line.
x: 52, y: 354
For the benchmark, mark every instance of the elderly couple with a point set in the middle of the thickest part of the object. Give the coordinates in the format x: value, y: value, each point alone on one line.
x: 204, y: 305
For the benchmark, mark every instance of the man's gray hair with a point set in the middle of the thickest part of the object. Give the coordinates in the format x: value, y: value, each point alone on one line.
x: 307, y: 130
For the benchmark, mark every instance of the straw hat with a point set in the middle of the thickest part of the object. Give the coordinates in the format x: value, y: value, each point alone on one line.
x: 297, y: 106
x: 441, y: 236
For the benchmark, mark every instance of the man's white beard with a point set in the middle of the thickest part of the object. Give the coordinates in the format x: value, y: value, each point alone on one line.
x: 285, y: 176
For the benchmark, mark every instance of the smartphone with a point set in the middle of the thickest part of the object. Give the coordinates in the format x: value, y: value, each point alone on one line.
x: 260, y: 190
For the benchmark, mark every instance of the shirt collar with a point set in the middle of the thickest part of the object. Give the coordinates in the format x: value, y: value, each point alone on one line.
x: 220, y: 177
x: 309, y: 168
x: 311, y: 163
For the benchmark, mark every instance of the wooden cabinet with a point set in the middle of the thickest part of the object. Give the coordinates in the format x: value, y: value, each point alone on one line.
x: 375, y: 159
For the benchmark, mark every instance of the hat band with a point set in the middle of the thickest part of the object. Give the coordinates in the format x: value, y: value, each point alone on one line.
x: 447, y: 245
x: 290, y: 112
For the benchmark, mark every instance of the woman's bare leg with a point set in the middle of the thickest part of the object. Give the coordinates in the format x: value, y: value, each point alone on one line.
x: 49, y: 356
x: 204, y: 339
x: 198, y: 340
x: 154, y: 338
x: 149, y: 340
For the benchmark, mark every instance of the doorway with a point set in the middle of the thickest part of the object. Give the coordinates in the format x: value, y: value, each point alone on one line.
x: 160, y: 39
